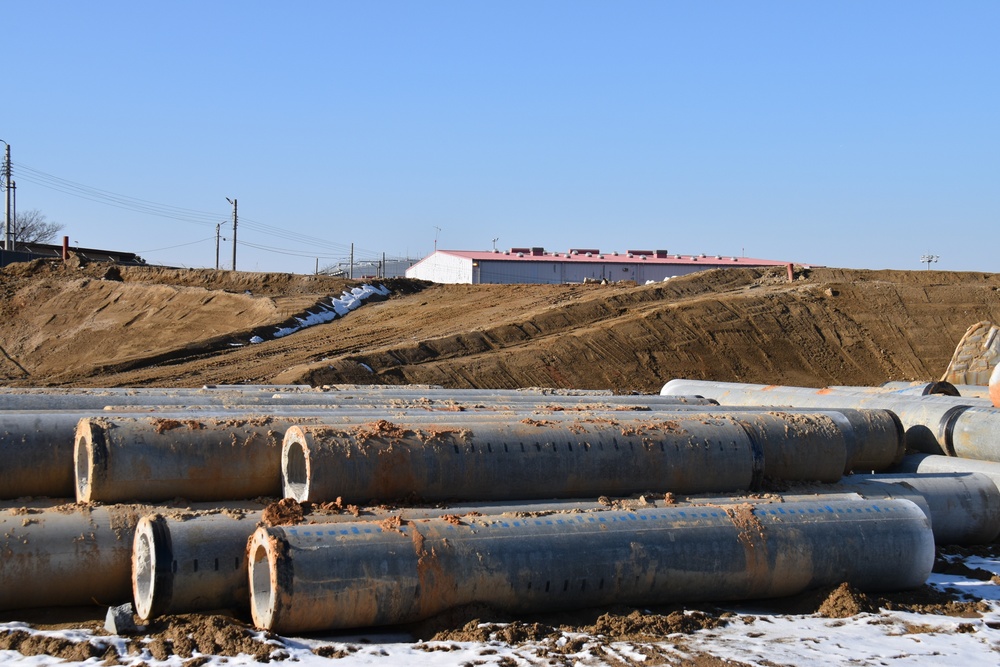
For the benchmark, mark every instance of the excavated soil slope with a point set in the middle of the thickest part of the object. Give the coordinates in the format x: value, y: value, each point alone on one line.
x: 97, y: 326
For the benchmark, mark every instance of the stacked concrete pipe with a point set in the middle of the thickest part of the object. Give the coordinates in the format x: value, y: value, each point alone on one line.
x: 683, y: 453
x: 946, y: 425
x: 184, y: 562
x: 308, y: 579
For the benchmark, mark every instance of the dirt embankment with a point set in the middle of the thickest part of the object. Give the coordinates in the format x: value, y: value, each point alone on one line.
x: 137, y: 326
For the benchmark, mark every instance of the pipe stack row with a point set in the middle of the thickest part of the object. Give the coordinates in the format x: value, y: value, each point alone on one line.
x: 496, y: 465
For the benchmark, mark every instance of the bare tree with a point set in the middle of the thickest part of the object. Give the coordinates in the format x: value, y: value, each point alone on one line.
x: 33, y: 227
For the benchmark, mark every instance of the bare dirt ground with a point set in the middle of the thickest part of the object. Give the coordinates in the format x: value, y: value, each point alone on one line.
x: 88, y: 326
x: 78, y: 325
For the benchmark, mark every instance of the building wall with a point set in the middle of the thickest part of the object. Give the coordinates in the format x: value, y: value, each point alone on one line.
x: 441, y: 268
x: 507, y: 272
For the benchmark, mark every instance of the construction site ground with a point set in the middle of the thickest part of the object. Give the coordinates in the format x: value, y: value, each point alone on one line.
x: 95, y: 325
x: 98, y: 326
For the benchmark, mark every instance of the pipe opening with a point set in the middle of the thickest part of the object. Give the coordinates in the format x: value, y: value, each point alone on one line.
x: 296, y: 472
x: 143, y: 566
x: 261, y: 593
x: 84, y: 463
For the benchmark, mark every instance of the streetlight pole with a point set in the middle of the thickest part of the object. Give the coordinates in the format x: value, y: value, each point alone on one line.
x: 8, y: 223
x: 233, y: 202
x: 927, y: 259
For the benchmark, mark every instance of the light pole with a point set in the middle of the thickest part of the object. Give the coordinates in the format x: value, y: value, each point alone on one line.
x: 8, y: 237
x: 927, y: 259
x: 233, y: 202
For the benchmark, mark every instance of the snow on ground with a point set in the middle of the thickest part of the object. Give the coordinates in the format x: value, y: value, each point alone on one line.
x: 338, y: 307
x: 752, y: 637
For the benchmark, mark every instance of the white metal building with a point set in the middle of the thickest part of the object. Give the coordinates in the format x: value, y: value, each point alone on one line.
x: 535, y: 265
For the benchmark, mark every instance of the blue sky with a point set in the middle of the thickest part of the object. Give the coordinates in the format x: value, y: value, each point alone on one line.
x: 852, y: 134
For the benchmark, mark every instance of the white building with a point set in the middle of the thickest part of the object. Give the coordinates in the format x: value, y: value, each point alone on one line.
x: 535, y: 265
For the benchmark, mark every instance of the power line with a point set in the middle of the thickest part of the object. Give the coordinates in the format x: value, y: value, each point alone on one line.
x: 182, y: 214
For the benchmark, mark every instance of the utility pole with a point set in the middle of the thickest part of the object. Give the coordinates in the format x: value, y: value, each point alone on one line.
x: 218, y: 226
x: 233, y: 202
x: 8, y: 237
x: 350, y: 272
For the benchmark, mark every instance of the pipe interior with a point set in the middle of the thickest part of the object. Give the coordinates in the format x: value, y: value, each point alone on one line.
x: 83, y: 465
x: 296, y: 474
x: 261, y: 593
x: 142, y: 574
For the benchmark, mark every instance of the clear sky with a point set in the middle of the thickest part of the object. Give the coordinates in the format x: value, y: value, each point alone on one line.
x: 845, y: 133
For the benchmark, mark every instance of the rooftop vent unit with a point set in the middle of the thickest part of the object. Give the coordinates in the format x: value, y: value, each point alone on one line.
x: 537, y: 252
x: 520, y: 250
x: 640, y: 252
x: 661, y: 254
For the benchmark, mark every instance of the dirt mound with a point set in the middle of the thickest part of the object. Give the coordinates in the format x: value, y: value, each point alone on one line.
x: 144, y: 326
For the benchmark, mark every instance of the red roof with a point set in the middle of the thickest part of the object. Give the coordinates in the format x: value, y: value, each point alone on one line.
x: 655, y: 257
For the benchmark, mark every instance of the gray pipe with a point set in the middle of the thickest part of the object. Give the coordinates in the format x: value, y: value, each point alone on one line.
x: 184, y: 562
x: 37, y: 447
x: 366, y: 574
x: 973, y: 390
x: 154, y: 460
x: 514, y: 461
x: 941, y: 388
x: 932, y: 463
x: 69, y: 556
x: 98, y: 401
x: 964, y: 508
x: 929, y: 420
x: 685, y: 454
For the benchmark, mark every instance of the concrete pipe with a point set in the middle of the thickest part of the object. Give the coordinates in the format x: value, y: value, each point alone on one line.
x: 187, y: 564
x: 493, y: 398
x: 924, y: 418
x: 686, y: 453
x: 964, y: 508
x: 65, y: 556
x: 97, y: 401
x: 904, y: 388
x: 36, y: 455
x: 508, y: 461
x: 366, y: 574
x: 973, y: 391
x: 154, y: 460
x: 932, y: 463
x: 184, y: 562
x: 973, y: 433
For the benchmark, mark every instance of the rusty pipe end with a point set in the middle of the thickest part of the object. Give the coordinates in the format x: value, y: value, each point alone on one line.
x: 152, y: 567
x: 264, y: 559
x: 90, y: 457
x: 296, y: 467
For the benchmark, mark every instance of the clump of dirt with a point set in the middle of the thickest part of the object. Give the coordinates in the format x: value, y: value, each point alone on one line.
x: 637, y: 625
x: 29, y: 644
x: 285, y: 512
x: 183, y: 634
x: 845, y: 601
x: 180, y: 635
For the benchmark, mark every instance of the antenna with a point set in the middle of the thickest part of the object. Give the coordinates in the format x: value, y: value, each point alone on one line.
x: 928, y: 259
x: 495, y: 243
x: 438, y: 231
